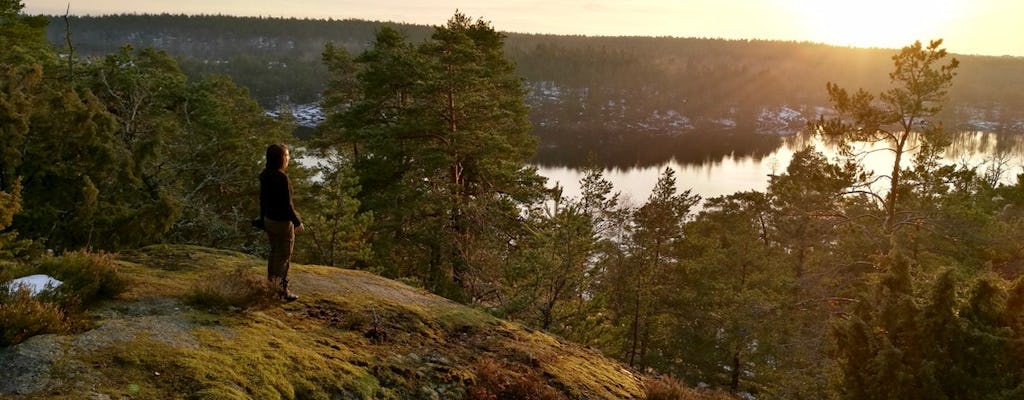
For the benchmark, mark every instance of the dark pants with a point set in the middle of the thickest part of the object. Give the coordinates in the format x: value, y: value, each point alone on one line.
x: 281, y: 235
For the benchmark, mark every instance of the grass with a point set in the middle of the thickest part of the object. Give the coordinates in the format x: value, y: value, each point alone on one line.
x: 668, y: 388
x: 498, y: 379
x: 22, y: 316
x: 192, y: 325
x: 88, y: 277
x: 239, y: 288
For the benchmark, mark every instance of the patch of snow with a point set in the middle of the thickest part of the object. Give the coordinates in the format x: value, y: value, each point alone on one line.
x: 34, y: 283
x: 677, y: 120
x: 825, y: 111
x: 668, y: 122
x: 309, y: 115
x: 983, y: 125
x: 726, y: 122
x: 547, y: 90
x: 782, y: 114
x: 789, y: 114
x: 781, y: 120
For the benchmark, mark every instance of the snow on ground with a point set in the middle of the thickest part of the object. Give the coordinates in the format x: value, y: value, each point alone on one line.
x: 309, y: 115
x: 34, y: 283
x: 781, y: 120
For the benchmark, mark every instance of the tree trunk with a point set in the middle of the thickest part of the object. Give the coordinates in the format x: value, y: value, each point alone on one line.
x: 892, y: 198
x: 734, y: 381
x: 636, y: 324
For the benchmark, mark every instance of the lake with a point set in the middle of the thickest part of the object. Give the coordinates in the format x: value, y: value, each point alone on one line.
x: 735, y: 172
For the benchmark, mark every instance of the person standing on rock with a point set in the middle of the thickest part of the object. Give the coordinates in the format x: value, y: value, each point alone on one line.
x: 279, y: 217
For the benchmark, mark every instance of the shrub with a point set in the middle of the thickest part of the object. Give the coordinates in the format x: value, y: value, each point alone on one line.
x: 240, y: 288
x: 497, y: 380
x: 88, y: 277
x: 22, y: 316
x: 668, y: 388
x: 665, y: 388
x: 10, y: 270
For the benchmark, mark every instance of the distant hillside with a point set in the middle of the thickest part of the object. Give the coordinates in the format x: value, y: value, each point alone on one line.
x: 608, y: 92
x: 351, y: 335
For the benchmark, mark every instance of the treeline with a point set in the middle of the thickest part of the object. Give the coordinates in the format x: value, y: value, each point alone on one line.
x: 825, y: 285
x: 589, y: 85
x: 279, y: 60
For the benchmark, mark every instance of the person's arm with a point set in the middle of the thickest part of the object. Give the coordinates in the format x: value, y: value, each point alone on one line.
x: 294, y: 217
x: 263, y: 199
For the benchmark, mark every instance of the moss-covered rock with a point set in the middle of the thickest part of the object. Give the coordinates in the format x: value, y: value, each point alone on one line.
x: 351, y: 335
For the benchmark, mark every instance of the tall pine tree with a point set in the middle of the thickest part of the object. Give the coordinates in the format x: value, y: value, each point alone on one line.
x: 440, y: 142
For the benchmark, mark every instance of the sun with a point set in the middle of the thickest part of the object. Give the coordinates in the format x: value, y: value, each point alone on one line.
x: 876, y: 23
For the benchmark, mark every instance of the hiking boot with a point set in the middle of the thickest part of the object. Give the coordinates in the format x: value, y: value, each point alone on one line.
x: 289, y: 296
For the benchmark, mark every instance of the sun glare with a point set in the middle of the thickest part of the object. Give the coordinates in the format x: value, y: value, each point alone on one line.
x: 876, y: 23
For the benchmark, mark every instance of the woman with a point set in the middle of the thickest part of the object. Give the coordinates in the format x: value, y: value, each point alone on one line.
x: 279, y: 217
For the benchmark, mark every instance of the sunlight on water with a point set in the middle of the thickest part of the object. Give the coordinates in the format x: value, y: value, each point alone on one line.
x: 734, y: 174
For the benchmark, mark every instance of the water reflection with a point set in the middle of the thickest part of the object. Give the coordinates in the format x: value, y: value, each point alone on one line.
x: 714, y: 166
x: 986, y: 144
x: 626, y: 152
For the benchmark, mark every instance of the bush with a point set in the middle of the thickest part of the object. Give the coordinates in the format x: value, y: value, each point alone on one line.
x: 497, y: 380
x: 240, y: 288
x: 668, y: 388
x: 88, y: 277
x: 22, y: 316
x: 665, y: 388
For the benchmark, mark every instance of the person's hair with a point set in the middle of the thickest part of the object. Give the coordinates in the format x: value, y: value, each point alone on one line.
x: 275, y: 156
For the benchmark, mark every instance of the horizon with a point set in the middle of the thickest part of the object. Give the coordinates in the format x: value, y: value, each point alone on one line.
x: 983, y: 28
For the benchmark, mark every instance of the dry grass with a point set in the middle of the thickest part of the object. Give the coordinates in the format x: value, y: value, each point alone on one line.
x: 668, y: 388
x: 239, y: 288
x: 23, y: 316
x: 496, y: 380
x: 88, y: 277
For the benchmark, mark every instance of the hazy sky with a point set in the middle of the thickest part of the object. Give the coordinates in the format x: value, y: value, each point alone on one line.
x: 991, y: 27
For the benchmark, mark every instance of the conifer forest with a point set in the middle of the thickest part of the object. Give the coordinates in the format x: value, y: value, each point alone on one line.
x: 838, y: 281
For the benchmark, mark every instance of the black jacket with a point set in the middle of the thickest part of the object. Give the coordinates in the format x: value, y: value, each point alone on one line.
x: 276, y: 197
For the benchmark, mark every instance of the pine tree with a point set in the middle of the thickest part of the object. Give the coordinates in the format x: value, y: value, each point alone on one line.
x: 440, y: 141
x: 10, y: 204
x: 211, y: 168
x: 25, y: 53
x: 924, y: 340
x: 23, y: 38
x: 655, y: 235
x: 337, y: 230
x: 920, y: 83
x: 549, y: 282
x: 73, y: 172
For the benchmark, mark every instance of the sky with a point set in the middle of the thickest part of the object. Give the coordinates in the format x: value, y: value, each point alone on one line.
x: 985, y: 27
